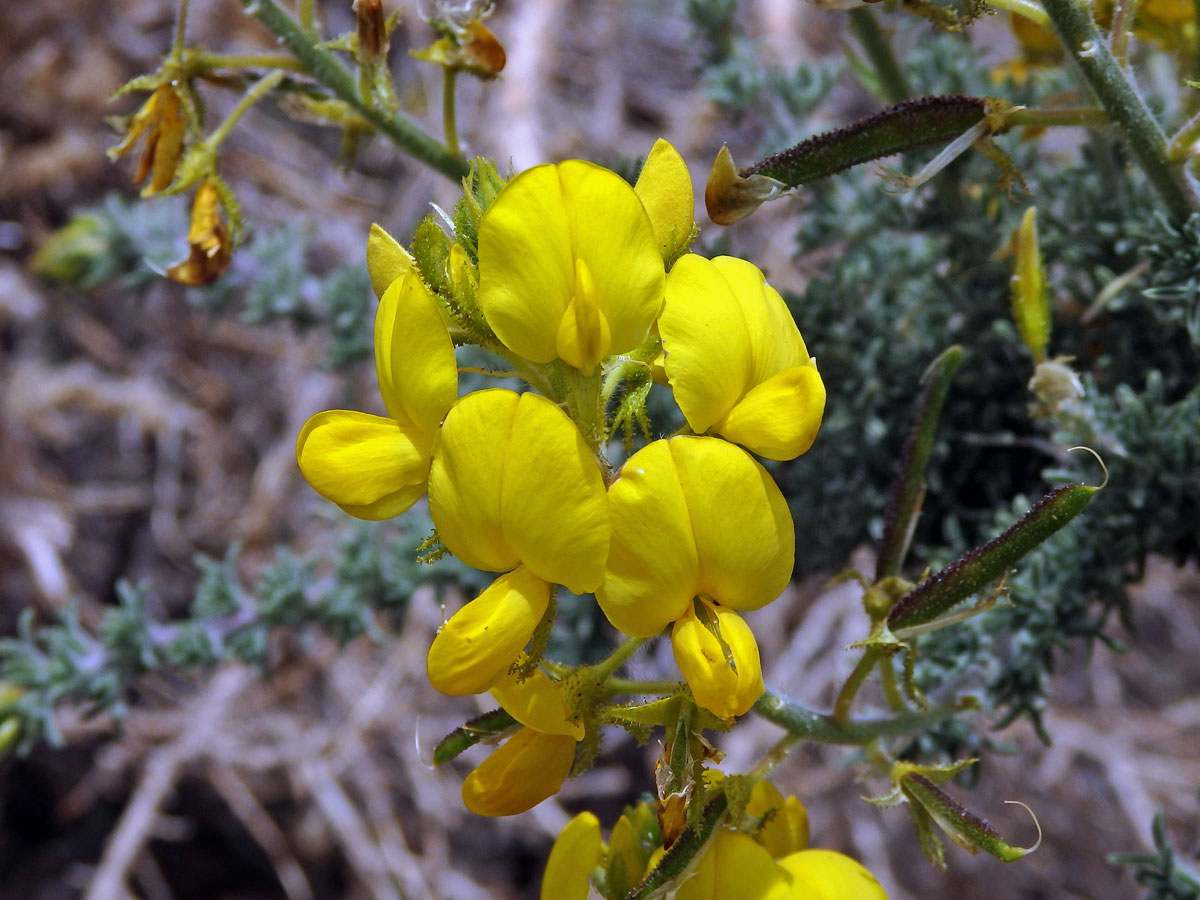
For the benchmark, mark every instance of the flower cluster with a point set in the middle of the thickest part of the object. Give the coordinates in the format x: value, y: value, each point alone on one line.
x: 766, y: 858
x: 580, y: 282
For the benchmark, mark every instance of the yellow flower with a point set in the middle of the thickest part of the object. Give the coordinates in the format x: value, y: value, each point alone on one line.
x: 725, y: 674
x: 735, y: 867
x: 575, y: 854
x: 697, y: 517
x: 513, y: 488
x: 828, y: 875
x: 786, y: 831
x: 375, y: 467
x: 531, y: 765
x: 735, y: 360
x: 569, y: 264
x: 162, y: 121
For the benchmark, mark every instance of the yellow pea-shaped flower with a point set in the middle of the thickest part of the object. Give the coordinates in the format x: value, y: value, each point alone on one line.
x: 829, y: 875
x: 735, y: 360
x: 376, y: 467
x: 569, y: 264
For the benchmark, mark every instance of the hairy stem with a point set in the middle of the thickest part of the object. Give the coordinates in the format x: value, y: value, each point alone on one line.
x: 809, y: 725
x: 1073, y: 24
x: 845, y: 697
x: 330, y: 71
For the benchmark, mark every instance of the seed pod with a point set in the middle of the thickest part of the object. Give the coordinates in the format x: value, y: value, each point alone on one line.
x: 908, y: 490
x: 940, y: 593
x: 731, y: 195
x: 683, y: 852
x: 966, y: 829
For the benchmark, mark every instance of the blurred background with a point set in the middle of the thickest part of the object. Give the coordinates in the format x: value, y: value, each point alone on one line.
x: 143, y: 423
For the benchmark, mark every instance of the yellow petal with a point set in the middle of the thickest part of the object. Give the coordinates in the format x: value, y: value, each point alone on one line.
x: 775, y: 340
x: 653, y: 570
x: 386, y: 260
x: 709, y: 354
x: 464, y: 482
x: 780, y: 417
x: 575, y: 854
x: 479, y: 643
x: 368, y: 465
x: 526, y: 263
x: 726, y: 334
x: 537, y: 702
x: 746, y: 549
x: 726, y: 686
x: 414, y: 357
x: 665, y: 189
x: 553, y: 506
x: 583, y: 334
x: 612, y: 234
x: 828, y: 875
x: 524, y: 771
x: 513, y: 481
x: 786, y: 831
x: 735, y: 867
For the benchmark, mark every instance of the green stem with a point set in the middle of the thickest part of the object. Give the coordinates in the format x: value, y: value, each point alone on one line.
x: 809, y: 725
x: 875, y: 41
x: 330, y: 71
x: 615, y: 686
x: 625, y: 650
x: 1088, y: 116
x: 891, y: 690
x: 1024, y: 8
x: 1180, y: 147
x: 305, y: 11
x: 176, y: 53
x: 256, y: 92
x: 200, y: 61
x: 1073, y: 24
x: 845, y: 697
x: 449, y: 117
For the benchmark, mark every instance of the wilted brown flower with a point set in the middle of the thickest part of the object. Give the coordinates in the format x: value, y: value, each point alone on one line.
x: 162, y: 121
x: 208, y: 238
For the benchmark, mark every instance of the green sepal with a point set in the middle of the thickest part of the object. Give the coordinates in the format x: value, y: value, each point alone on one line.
x: 936, y: 596
x: 146, y: 82
x: 488, y: 727
x: 431, y: 250
x: 646, y: 715
x: 481, y: 186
